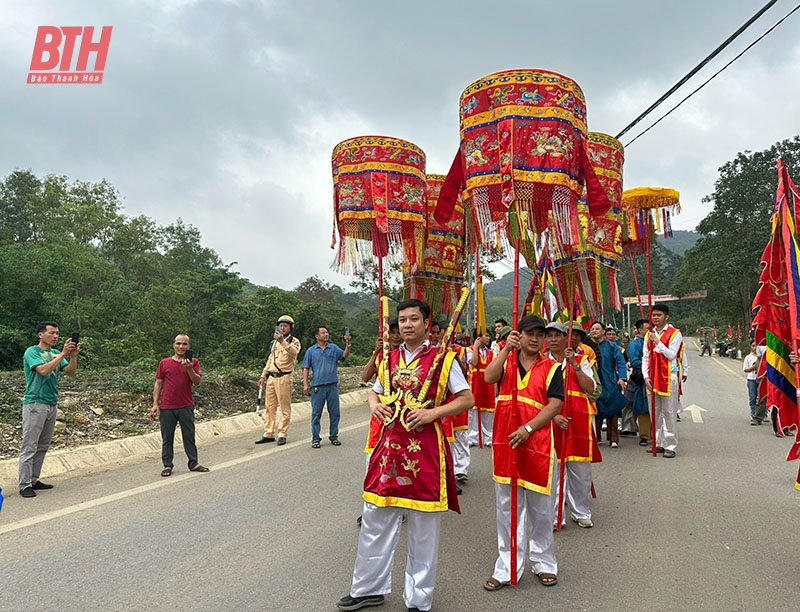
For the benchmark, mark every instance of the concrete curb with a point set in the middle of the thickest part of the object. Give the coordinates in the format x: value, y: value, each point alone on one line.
x: 95, y: 455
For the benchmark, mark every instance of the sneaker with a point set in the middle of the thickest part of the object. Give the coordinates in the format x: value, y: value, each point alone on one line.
x: 27, y: 492
x: 585, y: 523
x: 40, y: 486
x: 461, y: 478
x: 614, y: 445
x: 264, y: 440
x: 281, y: 441
x: 355, y: 603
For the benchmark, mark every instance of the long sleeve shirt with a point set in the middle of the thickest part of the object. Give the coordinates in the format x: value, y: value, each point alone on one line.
x: 669, y: 351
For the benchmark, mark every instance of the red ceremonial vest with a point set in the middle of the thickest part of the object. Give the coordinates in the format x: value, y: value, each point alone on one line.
x: 535, y: 456
x: 659, y: 368
x: 578, y: 442
x: 482, y: 392
x: 413, y: 469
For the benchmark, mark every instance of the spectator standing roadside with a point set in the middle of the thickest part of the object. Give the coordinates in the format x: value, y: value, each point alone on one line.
x: 41, y: 365
x: 750, y: 367
x: 173, y: 402
x: 278, y: 374
x: 323, y: 359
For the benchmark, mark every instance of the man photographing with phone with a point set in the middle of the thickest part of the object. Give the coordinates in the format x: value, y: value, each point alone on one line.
x: 173, y: 402
x: 276, y: 378
x: 42, y: 365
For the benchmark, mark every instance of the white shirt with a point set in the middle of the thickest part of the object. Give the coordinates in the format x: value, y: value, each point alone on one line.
x: 670, y: 352
x: 749, y: 361
x: 585, y: 368
x: 456, y: 381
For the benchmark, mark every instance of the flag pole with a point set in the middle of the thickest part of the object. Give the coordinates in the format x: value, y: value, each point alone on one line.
x: 790, y: 257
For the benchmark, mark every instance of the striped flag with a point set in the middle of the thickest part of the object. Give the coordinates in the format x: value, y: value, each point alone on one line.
x: 775, y: 304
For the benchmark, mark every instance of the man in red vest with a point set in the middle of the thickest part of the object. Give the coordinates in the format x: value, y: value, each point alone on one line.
x: 410, y: 471
x: 575, y: 439
x: 528, y: 433
x: 660, y: 368
x: 480, y: 357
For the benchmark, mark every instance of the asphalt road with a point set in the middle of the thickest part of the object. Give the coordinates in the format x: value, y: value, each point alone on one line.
x: 713, y: 529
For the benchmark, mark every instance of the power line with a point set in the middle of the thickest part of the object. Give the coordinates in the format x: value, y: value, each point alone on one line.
x: 699, y: 66
x: 752, y: 44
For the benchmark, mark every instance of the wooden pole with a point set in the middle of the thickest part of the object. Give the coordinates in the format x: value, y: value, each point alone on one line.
x: 511, y: 371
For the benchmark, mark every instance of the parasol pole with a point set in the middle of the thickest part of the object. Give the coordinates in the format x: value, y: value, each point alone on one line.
x: 478, y: 287
x: 650, y: 319
x: 513, y: 373
x: 638, y: 293
x: 563, y: 434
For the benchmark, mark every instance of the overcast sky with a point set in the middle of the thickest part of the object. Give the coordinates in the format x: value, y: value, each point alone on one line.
x: 225, y: 113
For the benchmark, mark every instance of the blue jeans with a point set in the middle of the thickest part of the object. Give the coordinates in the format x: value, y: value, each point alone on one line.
x: 752, y: 392
x: 320, y: 395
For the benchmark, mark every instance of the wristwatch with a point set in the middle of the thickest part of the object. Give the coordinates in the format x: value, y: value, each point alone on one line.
x: 529, y: 429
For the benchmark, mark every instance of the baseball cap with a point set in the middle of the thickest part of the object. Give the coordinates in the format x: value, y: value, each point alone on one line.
x: 529, y: 322
x: 558, y: 326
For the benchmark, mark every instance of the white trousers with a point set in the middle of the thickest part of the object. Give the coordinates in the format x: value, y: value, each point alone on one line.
x: 460, y: 451
x: 666, y: 413
x: 628, y: 420
x: 487, y: 421
x: 534, y: 532
x: 377, y: 541
x: 577, y: 490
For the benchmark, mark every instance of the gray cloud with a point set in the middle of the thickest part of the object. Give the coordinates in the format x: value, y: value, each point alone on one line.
x: 225, y: 113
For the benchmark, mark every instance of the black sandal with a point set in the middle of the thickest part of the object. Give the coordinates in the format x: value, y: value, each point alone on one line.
x: 167, y: 471
x: 644, y: 442
x: 336, y: 442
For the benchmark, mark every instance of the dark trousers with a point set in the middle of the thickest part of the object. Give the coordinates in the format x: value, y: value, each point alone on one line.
x: 169, y: 419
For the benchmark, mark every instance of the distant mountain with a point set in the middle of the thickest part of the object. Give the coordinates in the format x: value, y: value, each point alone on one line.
x: 681, y: 241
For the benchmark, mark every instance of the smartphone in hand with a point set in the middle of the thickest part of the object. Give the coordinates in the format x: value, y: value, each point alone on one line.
x: 188, y: 354
x: 75, y: 337
x: 346, y: 331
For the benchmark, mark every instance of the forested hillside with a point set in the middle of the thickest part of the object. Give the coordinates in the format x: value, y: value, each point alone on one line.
x: 128, y: 285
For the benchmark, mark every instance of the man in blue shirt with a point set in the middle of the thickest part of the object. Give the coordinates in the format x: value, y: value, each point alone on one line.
x: 323, y: 359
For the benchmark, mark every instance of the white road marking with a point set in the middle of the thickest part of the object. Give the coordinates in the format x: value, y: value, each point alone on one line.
x: 100, y: 501
x: 696, y: 411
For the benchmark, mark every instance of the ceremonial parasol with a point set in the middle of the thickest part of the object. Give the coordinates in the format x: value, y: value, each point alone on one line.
x: 379, y: 199
x: 438, y: 279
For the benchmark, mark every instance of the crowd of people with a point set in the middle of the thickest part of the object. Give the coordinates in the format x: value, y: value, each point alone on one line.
x: 570, y: 386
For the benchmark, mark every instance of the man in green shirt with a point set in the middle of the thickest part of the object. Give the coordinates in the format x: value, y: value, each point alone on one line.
x: 41, y: 364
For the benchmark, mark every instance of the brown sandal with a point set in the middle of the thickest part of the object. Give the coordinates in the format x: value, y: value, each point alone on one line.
x: 315, y: 445
x: 492, y: 584
x: 547, y: 579
x: 336, y: 442
x: 198, y: 468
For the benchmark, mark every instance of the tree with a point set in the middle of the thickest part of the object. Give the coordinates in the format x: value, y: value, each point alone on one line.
x: 725, y: 261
